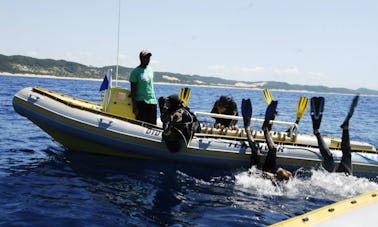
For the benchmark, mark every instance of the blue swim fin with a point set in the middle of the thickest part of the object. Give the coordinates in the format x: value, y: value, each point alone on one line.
x: 246, y: 109
x: 270, y: 114
x: 317, y: 108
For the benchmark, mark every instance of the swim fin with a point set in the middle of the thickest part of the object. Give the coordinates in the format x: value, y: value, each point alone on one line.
x: 268, y: 96
x: 185, y: 95
x: 246, y: 108
x: 345, y: 124
x: 301, y: 108
x: 317, y: 108
x: 270, y: 113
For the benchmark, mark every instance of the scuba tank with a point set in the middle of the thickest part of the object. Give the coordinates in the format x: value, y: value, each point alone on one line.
x: 179, y: 123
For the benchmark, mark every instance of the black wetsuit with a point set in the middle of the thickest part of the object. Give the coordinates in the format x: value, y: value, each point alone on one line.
x: 346, y: 160
x: 270, y: 164
x: 269, y: 169
x: 231, y: 109
x: 345, y: 165
x: 179, y: 123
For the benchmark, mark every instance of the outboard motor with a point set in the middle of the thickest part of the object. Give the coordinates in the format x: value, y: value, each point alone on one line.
x: 179, y: 123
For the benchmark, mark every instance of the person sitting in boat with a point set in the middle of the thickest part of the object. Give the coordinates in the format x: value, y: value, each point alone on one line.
x: 317, y: 107
x: 225, y: 105
x: 142, y: 90
x: 270, y: 169
x: 179, y: 123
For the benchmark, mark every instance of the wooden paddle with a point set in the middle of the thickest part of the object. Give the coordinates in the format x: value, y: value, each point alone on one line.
x: 185, y: 95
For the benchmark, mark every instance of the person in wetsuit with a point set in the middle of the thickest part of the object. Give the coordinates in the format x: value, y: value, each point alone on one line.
x: 225, y: 105
x: 269, y: 168
x: 317, y: 107
x: 179, y: 123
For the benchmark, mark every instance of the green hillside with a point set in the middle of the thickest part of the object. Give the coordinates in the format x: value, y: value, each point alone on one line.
x: 27, y: 65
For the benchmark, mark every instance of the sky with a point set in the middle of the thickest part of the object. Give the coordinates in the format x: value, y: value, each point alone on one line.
x: 323, y: 42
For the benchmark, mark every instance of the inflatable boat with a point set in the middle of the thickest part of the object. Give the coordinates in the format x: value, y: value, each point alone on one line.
x: 110, y: 128
x: 355, y: 211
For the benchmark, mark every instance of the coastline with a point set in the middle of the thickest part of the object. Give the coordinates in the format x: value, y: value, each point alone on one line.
x: 125, y: 81
x: 47, y: 76
x: 178, y: 84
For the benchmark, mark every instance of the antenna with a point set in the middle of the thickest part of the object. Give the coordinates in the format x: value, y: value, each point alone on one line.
x: 119, y: 22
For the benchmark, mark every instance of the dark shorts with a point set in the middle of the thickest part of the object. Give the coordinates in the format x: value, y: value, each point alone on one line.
x: 147, y: 112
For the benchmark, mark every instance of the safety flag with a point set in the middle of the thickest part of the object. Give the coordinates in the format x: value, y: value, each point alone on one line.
x: 107, y: 82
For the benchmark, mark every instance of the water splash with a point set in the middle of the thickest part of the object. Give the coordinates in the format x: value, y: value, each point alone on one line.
x: 315, y: 183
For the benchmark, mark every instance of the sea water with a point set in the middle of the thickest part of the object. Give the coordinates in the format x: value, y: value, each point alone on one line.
x: 42, y: 184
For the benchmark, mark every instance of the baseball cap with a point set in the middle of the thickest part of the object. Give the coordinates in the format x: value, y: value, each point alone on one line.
x: 144, y: 53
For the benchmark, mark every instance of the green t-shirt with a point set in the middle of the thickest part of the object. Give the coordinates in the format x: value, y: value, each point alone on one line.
x: 144, y: 79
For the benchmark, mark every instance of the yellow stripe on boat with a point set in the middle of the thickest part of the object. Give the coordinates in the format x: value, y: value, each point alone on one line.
x: 92, y: 106
x: 357, y: 211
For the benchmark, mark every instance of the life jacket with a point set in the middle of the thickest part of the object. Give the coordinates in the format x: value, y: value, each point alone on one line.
x: 179, y: 123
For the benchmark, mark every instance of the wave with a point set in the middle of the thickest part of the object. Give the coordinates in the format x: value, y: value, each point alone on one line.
x: 315, y: 183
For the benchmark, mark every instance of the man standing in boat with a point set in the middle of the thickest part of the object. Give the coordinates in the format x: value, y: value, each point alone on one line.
x: 142, y: 90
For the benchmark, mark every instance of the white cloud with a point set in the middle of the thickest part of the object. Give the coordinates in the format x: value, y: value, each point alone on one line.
x: 293, y: 70
x: 88, y: 58
x: 32, y: 53
x: 257, y: 69
x: 155, y: 62
x: 260, y: 69
x: 293, y: 75
x: 216, y: 67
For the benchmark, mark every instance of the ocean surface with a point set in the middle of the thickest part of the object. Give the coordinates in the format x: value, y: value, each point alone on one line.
x: 42, y: 184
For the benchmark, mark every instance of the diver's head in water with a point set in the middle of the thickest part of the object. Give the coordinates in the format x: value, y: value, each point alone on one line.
x: 283, y: 174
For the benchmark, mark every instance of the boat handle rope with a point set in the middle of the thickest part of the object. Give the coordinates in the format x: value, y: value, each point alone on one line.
x: 232, y: 117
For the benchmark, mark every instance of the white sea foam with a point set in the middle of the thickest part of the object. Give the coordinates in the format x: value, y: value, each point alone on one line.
x: 317, y: 184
